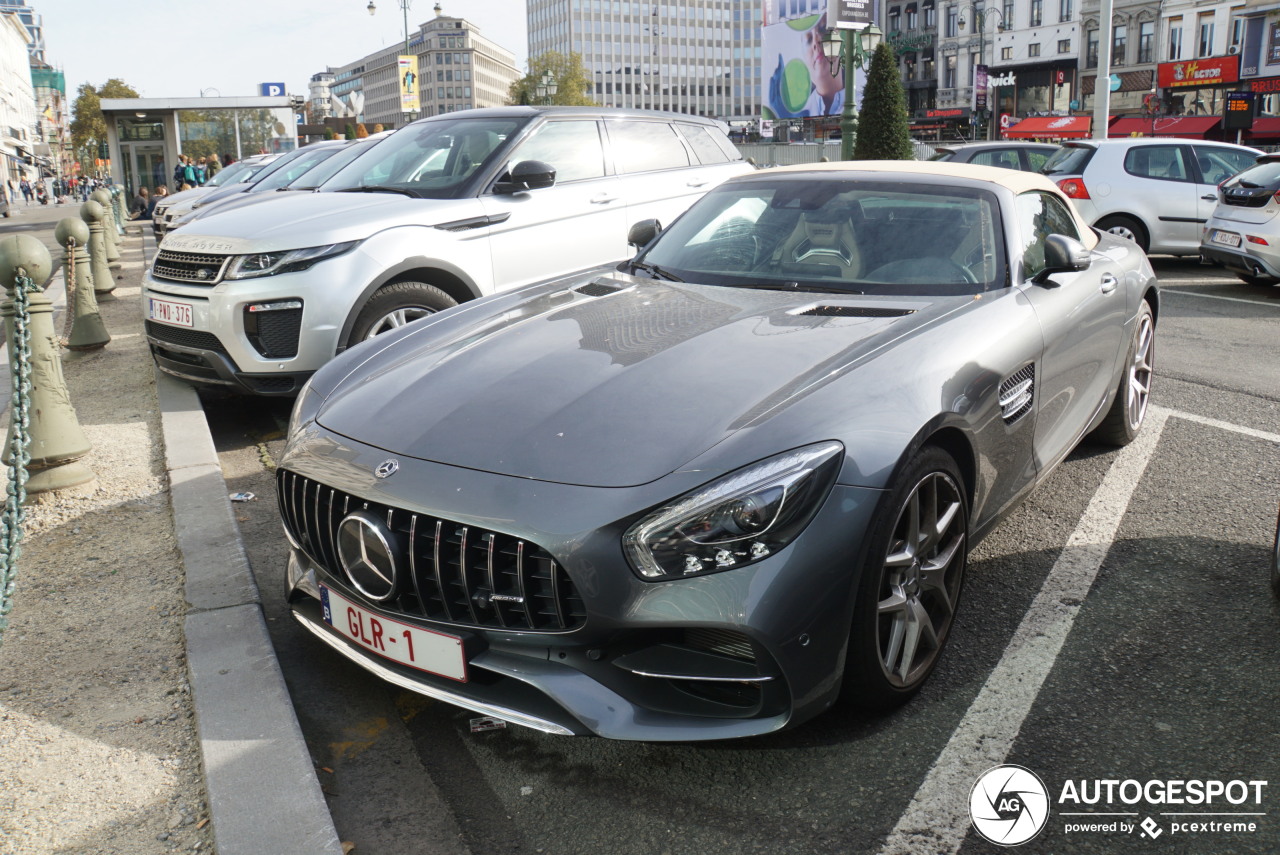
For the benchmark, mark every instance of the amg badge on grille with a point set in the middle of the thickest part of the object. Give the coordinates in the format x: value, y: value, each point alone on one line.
x: 387, y: 468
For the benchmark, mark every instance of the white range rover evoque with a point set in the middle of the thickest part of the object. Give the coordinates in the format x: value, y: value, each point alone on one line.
x: 447, y: 209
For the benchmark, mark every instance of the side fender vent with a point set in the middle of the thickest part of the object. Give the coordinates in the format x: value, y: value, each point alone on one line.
x: 1016, y: 394
x: 856, y: 312
x: 598, y: 289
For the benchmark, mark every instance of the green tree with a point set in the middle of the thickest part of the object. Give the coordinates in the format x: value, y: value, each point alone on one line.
x: 349, y: 132
x: 88, y: 127
x: 572, y: 87
x: 883, y: 130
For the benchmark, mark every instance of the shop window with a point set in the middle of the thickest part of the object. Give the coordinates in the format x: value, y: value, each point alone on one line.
x: 1091, y: 49
x: 1037, y: 12
x: 1064, y: 46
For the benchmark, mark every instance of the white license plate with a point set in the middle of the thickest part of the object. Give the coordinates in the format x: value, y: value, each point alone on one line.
x: 178, y: 314
x: 424, y: 649
x: 1226, y: 238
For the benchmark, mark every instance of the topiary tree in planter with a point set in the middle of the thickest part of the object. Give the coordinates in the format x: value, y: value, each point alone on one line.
x: 883, y: 130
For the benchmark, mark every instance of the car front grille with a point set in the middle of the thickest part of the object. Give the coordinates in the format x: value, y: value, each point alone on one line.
x: 184, y: 337
x: 189, y: 267
x: 458, y: 574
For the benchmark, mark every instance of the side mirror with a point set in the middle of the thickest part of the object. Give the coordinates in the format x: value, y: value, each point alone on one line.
x: 1062, y: 255
x: 643, y: 233
x: 526, y: 175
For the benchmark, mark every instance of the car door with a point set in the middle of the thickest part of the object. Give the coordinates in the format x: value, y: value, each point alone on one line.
x: 660, y: 175
x: 1082, y: 316
x: 1159, y: 180
x: 577, y: 223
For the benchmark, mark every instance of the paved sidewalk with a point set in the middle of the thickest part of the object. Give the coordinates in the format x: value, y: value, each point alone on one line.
x: 142, y: 709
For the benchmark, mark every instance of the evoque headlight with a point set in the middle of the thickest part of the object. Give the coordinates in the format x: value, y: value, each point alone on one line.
x: 284, y: 261
x: 740, y: 519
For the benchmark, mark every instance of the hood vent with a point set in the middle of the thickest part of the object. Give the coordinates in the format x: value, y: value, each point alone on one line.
x: 598, y: 289
x: 856, y: 312
x: 1016, y: 394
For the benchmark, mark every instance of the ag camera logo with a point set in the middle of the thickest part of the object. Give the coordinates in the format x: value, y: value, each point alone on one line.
x: 1009, y: 805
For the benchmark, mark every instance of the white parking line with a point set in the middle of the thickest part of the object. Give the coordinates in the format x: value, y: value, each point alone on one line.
x: 1221, y: 425
x: 1180, y: 292
x: 937, y: 819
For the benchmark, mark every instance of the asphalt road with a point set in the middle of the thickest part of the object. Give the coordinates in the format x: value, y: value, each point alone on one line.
x: 1158, y: 659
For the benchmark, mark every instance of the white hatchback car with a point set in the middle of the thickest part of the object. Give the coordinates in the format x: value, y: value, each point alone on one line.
x: 1156, y: 192
x: 444, y: 210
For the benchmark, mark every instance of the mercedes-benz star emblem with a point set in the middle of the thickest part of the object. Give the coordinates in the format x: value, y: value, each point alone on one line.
x: 368, y: 556
x: 387, y: 468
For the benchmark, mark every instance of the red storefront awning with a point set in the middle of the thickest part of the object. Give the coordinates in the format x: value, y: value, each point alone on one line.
x: 1050, y: 127
x: 1186, y: 127
x: 1265, y: 127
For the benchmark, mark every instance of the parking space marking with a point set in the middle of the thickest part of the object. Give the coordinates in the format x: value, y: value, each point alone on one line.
x: 937, y: 819
x: 1221, y: 425
x: 1179, y: 291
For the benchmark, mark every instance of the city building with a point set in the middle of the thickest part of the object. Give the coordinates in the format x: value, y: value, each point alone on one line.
x: 458, y: 68
x: 17, y: 100
x: 52, y: 149
x: 34, y: 25
x: 319, y: 91
x: 690, y: 56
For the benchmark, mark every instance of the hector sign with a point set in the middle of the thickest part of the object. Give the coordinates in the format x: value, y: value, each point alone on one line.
x: 1198, y: 72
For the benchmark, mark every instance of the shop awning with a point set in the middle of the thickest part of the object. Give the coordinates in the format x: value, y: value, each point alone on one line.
x: 1050, y: 127
x: 1265, y: 127
x: 1186, y: 127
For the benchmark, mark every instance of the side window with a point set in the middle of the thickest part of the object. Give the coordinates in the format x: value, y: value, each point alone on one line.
x: 1219, y: 164
x: 645, y: 146
x: 1037, y: 159
x: 1162, y: 162
x: 703, y: 145
x: 1003, y: 157
x: 572, y: 147
x: 1041, y: 215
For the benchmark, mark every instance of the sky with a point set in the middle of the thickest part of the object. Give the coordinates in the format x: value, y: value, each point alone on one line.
x: 179, y: 48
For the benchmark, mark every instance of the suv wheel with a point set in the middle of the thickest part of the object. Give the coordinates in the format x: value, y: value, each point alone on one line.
x: 397, y: 304
x: 1126, y: 227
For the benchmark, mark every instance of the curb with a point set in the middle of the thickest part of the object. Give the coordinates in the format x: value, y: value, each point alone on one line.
x: 262, y: 789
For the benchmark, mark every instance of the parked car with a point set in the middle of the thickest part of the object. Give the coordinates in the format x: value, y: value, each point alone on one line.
x: 699, y: 496
x: 1028, y: 157
x: 1243, y: 234
x: 445, y: 210
x: 170, y: 207
x: 283, y: 169
x: 1158, y: 193
x: 305, y: 174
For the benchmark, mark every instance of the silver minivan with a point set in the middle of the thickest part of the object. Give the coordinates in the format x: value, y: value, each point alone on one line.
x: 444, y: 210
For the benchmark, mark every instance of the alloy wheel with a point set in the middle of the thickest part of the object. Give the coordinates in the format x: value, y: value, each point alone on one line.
x: 921, y: 579
x: 398, y: 318
x: 1138, y: 391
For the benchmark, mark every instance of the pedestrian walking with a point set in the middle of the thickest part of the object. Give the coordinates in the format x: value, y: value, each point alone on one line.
x: 202, y: 171
x: 26, y: 191
x: 214, y: 166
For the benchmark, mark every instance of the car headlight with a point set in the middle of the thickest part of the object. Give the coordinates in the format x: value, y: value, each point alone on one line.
x: 740, y: 519
x: 283, y: 261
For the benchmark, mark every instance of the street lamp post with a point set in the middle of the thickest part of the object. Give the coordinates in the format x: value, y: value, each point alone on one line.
x: 547, y: 87
x: 980, y: 24
x: 850, y: 49
x: 404, y: 7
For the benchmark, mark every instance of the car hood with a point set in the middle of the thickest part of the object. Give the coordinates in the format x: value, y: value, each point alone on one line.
x: 314, y: 219
x: 614, y: 390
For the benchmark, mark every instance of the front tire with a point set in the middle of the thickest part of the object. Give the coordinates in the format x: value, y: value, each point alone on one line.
x: 1126, y: 227
x: 910, y: 584
x: 397, y: 304
x: 1129, y: 408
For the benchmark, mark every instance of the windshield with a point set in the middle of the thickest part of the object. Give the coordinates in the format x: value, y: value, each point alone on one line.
x: 294, y: 169
x: 1068, y: 160
x: 428, y: 159
x: 857, y: 236
x: 330, y: 167
x: 229, y: 175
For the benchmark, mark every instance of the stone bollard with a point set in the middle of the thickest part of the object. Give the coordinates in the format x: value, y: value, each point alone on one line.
x: 57, y: 440
x: 103, y: 197
x: 88, y: 332
x: 104, y: 281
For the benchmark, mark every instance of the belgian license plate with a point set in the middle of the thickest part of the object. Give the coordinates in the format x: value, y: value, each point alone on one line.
x: 166, y: 312
x: 424, y: 649
x: 1227, y: 238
